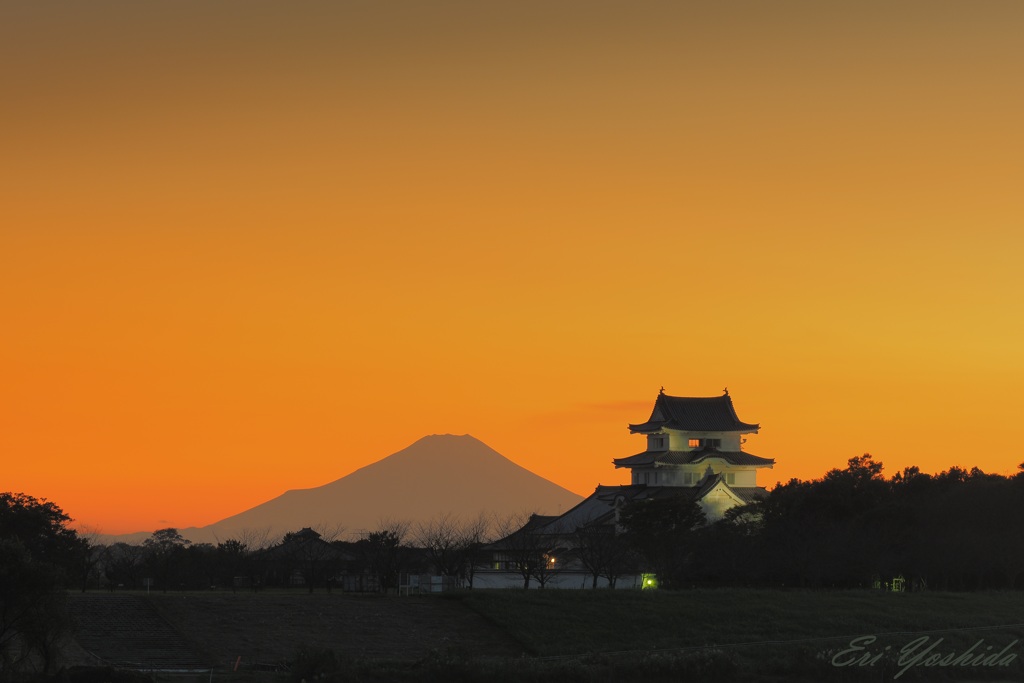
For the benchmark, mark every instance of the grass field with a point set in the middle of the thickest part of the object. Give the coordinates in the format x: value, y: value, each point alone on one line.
x: 763, y: 634
x: 719, y: 634
x: 571, y: 622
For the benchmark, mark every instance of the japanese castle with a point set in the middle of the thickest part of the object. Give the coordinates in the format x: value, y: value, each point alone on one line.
x: 694, y: 449
x: 697, y: 443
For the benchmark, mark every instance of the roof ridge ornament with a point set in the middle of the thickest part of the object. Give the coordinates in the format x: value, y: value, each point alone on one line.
x: 662, y: 392
x: 726, y: 391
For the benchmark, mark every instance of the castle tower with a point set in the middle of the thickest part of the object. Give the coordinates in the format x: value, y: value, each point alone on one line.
x: 694, y: 442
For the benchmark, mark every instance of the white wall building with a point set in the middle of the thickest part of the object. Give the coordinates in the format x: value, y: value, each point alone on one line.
x: 694, y: 449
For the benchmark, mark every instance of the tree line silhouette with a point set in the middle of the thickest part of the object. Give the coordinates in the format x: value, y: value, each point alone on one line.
x: 957, y: 530
x: 310, y: 558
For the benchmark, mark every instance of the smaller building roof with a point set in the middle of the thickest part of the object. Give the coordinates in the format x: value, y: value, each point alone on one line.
x: 693, y: 414
x: 630, y: 492
x: 610, y: 495
x: 599, y: 508
x: 534, y: 525
x: 748, y: 494
x: 654, y: 458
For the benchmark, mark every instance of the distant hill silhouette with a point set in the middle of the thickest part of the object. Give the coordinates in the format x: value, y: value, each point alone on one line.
x: 437, y: 474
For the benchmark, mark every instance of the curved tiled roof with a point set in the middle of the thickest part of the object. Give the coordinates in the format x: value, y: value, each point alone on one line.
x: 598, y: 509
x: 691, y: 457
x: 748, y: 494
x: 631, y: 492
x: 715, y: 414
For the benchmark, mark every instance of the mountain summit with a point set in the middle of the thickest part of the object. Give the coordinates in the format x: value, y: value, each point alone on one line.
x: 436, y: 474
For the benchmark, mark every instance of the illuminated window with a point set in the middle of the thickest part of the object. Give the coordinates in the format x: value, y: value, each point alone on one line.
x: 694, y: 443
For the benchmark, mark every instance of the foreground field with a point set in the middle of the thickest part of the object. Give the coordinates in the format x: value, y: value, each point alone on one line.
x: 724, y: 634
x: 268, y: 628
x: 550, y: 623
x: 767, y: 635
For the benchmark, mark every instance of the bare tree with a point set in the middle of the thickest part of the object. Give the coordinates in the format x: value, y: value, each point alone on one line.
x: 603, y: 552
x: 123, y: 565
x: 551, y: 546
x: 441, y: 538
x: 620, y: 559
x: 475, y: 533
x: 89, y: 554
x: 590, y: 549
x: 453, y: 545
x: 256, y: 541
x: 526, y: 547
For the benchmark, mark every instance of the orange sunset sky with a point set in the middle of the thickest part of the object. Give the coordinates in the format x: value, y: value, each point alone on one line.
x: 252, y: 246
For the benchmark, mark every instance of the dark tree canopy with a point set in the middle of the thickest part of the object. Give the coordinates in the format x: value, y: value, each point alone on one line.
x: 38, y: 552
x: 663, y: 531
x: 961, y: 529
x: 40, y: 526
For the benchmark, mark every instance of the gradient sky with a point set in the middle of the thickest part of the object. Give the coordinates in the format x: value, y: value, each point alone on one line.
x: 253, y: 246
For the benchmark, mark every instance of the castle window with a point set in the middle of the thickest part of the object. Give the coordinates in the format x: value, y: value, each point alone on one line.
x: 657, y: 442
x: 730, y: 478
x: 694, y: 443
x: 712, y: 443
